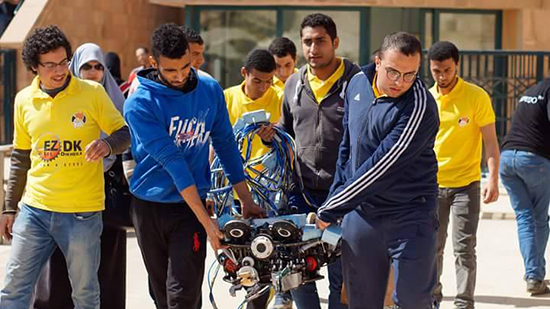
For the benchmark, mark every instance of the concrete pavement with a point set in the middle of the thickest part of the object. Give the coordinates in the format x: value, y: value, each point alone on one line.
x: 499, y: 281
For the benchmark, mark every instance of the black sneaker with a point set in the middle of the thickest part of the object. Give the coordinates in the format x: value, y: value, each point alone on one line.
x: 536, y: 287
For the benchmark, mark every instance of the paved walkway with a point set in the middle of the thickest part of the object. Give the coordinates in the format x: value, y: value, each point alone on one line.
x: 499, y: 284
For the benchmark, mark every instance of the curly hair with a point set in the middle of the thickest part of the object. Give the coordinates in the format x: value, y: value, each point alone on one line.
x: 42, y: 41
x: 192, y: 36
x: 320, y: 20
x: 169, y: 41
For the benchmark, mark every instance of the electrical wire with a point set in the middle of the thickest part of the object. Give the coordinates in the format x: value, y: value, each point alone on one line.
x: 269, y: 176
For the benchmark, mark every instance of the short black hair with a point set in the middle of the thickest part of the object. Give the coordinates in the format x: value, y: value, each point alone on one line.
x: 404, y: 42
x: 261, y: 60
x: 320, y: 20
x: 42, y: 41
x: 443, y: 50
x: 169, y: 41
x: 145, y: 49
x: 281, y: 47
x: 192, y: 36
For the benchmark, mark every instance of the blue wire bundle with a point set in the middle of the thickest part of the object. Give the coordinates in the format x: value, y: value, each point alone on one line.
x: 268, y: 176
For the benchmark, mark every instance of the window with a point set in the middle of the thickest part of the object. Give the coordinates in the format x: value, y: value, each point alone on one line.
x: 230, y: 35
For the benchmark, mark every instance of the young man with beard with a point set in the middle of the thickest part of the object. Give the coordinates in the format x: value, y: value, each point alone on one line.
x: 57, y: 163
x: 385, y: 186
x: 467, y: 122
x: 172, y: 116
x: 313, y: 107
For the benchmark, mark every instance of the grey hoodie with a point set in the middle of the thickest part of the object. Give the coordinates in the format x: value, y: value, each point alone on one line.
x: 316, y: 128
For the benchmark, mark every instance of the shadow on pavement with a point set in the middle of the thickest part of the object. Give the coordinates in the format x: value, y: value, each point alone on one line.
x: 539, y: 300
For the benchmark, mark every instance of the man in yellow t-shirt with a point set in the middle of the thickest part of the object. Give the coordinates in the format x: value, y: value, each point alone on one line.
x: 57, y: 161
x: 284, y: 52
x: 256, y: 92
x: 467, y: 120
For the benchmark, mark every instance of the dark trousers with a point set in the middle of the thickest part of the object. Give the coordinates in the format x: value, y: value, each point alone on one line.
x: 173, y: 245
x: 53, y: 289
x: 463, y: 206
x: 407, y: 240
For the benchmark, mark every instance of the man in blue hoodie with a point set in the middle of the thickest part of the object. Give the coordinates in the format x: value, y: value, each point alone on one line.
x: 172, y: 116
x: 385, y: 186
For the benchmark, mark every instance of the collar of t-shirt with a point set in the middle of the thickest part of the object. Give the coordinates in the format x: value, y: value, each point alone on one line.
x: 263, y: 100
x: 53, y: 92
x: 278, y: 83
x: 375, y: 88
x: 320, y: 88
x: 455, y: 91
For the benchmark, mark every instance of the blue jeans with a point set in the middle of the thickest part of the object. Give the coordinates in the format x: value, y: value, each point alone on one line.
x: 526, y: 177
x: 306, y: 296
x: 36, y: 233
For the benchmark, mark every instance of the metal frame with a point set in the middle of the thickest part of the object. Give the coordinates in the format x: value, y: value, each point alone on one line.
x: 436, y: 18
x: 7, y: 82
x: 192, y: 19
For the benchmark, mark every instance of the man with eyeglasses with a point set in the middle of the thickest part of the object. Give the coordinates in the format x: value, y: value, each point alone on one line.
x: 57, y: 162
x: 467, y: 122
x: 385, y: 186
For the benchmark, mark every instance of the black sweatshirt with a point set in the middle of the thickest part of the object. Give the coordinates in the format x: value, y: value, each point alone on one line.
x: 530, y: 129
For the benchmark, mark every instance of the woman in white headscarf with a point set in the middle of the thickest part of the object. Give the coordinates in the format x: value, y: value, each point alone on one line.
x: 88, y: 62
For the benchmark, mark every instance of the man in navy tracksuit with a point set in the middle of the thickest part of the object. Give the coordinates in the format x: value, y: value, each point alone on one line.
x: 385, y: 186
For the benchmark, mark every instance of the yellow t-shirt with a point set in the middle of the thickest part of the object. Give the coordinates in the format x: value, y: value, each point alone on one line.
x: 279, y: 84
x: 238, y: 104
x: 462, y: 113
x: 321, y: 88
x: 57, y: 132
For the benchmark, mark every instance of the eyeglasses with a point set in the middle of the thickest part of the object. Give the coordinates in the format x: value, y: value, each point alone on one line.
x: 87, y: 67
x: 52, y: 65
x: 395, y: 75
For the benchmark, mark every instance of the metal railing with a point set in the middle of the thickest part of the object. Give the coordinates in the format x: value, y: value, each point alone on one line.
x: 7, y: 94
x: 505, y: 75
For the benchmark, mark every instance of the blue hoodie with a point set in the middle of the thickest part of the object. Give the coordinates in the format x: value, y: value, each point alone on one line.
x: 386, y: 162
x: 171, y: 130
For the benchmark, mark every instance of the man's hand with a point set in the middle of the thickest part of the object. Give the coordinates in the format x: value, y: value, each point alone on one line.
x: 266, y: 132
x: 6, y: 225
x: 320, y: 224
x: 96, y: 150
x: 252, y: 210
x: 490, y: 192
x: 214, y: 234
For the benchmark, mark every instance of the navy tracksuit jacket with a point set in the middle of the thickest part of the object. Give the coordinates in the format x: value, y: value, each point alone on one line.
x: 386, y: 187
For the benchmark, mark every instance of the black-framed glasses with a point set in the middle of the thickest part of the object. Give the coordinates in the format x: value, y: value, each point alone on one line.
x: 53, y: 65
x: 395, y: 75
x: 87, y: 67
